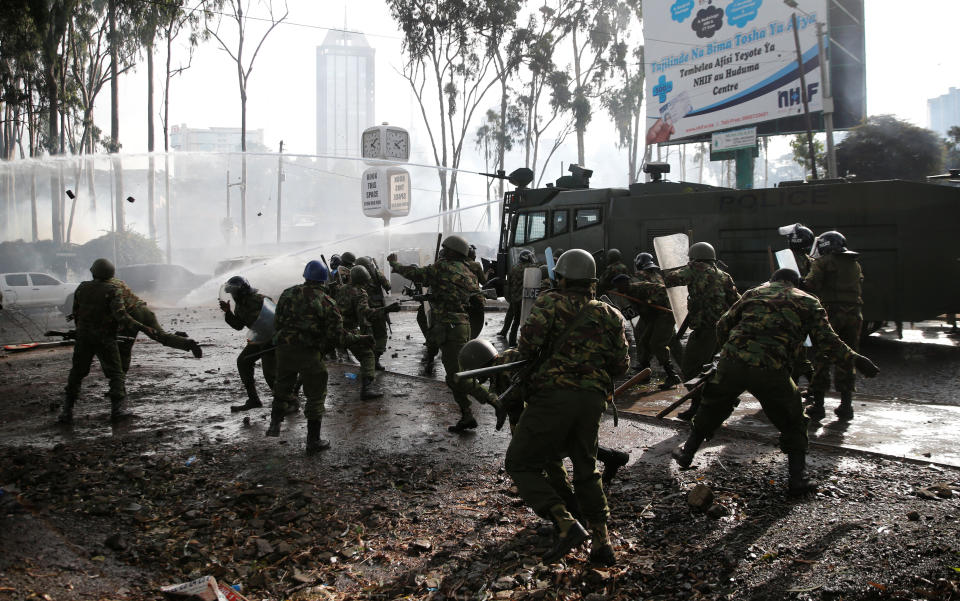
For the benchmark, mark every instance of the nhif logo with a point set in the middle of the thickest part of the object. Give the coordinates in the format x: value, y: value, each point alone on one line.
x: 662, y: 88
x: 788, y: 97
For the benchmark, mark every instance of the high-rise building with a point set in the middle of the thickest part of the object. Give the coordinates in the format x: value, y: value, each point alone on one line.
x: 943, y: 112
x: 345, y: 92
x: 214, y: 139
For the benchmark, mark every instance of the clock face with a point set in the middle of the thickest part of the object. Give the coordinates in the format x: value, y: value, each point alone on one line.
x: 371, y: 144
x: 398, y: 145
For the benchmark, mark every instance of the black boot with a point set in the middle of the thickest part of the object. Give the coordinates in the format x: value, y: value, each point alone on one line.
x: 377, y: 365
x: 117, y: 410
x: 799, y: 482
x: 466, y: 422
x: 195, y: 349
x: 66, y: 413
x: 692, y: 411
x: 672, y: 378
x: 845, y: 410
x: 369, y: 389
x: 815, y: 411
x: 276, y: 418
x: 315, y: 444
x: 571, y: 535
x: 612, y: 461
x: 601, y: 551
x: 253, y: 399
x: 684, y: 455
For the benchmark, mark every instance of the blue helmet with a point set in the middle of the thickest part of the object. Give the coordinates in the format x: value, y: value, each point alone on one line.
x: 315, y: 271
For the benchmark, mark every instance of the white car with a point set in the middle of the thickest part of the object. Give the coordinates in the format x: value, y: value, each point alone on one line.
x: 36, y: 291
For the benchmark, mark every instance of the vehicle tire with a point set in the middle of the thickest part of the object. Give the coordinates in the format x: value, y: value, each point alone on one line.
x: 67, y: 307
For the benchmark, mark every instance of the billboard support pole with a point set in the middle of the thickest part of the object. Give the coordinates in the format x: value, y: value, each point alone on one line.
x: 803, y: 96
x: 827, y: 103
x: 744, y: 159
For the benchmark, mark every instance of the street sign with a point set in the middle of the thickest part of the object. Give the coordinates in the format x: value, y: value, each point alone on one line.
x: 385, y: 192
x: 734, y: 139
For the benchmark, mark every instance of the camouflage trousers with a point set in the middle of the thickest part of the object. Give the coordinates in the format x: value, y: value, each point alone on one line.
x: 774, y: 388
x: 556, y: 424
x: 511, y: 322
x: 247, y: 361
x: 107, y: 353
x: 364, y: 354
x: 425, y: 330
x: 700, y: 349
x: 847, y: 322
x: 655, y: 339
x: 147, y: 317
x: 378, y: 329
x: 307, y: 363
x: 450, y: 338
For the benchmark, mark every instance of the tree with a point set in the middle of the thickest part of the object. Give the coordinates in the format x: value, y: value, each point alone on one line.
x: 801, y: 152
x: 238, y: 15
x: 492, y: 142
x: 885, y: 147
x: 952, y: 145
x: 448, y: 55
x: 623, y: 97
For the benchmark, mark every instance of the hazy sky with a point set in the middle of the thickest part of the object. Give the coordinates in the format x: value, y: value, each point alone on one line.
x: 911, y: 56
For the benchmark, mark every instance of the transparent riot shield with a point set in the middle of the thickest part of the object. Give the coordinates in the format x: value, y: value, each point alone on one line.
x: 261, y: 332
x: 531, y: 288
x: 673, y: 251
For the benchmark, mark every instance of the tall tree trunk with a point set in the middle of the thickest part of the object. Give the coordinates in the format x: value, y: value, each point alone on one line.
x: 33, y: 206
x: 114, y: 79
x: 243, y: 171
x: 166, y: 201
x: 152, y: 169
x: 578, y: 89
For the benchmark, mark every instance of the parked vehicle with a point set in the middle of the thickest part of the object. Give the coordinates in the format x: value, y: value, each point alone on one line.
x: 36, y: 291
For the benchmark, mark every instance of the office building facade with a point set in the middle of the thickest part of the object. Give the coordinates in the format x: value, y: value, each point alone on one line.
x: 345, y: 92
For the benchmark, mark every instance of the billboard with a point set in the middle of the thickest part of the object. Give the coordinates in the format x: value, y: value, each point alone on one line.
x: 721, y: 64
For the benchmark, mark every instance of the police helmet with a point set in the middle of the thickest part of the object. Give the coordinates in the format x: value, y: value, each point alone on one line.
x: 787, y: 275
x: 456, y: 244
x: 645, y: 261
x: 366, y: 262
x: 702, y: 251
x: 348, y: 259
x: 576, y: 264
x: 801, y: 238
x: 359, y: 275
x: 613, y: 255
x: 237, y: 285
x: 315, y: 271
x: 335, y: 262
x: 475, y: 354
x: 831, y: 242
x: 525, y: 256
x: 621, y: 278
x: 102, y: 269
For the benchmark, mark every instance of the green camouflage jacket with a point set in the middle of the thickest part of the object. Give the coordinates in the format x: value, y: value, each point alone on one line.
x: 590, y: 357
x: 130, y: 300
x: 835, y: 279
x: 515, y: 281
x: 246, y: 311
x: 606, y: 278
x: 98, y: 310
x: 453, y: 288
x: 768, y: 324
x: 354, y: 306
x: 803, y: 262
x: 651, y: 290
x: 378, y: 283
x: 477, y: 270
x: 710, y: 292
x: 306, y: 316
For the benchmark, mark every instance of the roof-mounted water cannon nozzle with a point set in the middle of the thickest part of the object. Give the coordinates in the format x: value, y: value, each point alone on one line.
x: 579, y: 178
x: 520, y: 178
x: 656, y: 170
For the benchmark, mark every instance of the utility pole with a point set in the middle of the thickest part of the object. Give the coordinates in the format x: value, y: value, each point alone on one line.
x: 827, y: 102
x: 279, y: 188
x: 803, y: 96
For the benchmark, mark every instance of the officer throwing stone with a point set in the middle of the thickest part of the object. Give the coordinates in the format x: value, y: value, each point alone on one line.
x: 580, y: 347
x: 759, y: 336
x: 453, y: 289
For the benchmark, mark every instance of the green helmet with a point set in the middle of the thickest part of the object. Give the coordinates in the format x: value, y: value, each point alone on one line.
x: 702, y: 251
x: 102, y: 269
x: 359, y: 275
x: 348, y: 259
x: 613, y: 255
x: 366, y: 262
x: 456, y: 244
x: 576, y: 264
x: 476, y: 354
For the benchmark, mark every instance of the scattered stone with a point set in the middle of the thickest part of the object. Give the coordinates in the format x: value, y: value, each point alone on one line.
x: 717, y: 511
x: 115, y: 542
x: 700, y: 497
x: 913, y: 516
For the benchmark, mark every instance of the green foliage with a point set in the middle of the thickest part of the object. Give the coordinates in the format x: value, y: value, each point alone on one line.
x: 132, y: 248
x: 952, y: 146
x: 801, y: 153
x: 887, y: 148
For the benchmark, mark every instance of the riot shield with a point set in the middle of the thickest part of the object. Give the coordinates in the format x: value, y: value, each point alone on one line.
x: 261, y: 332
x: 548, y: 254
x: 786, y: 260
x: 531, y: 288
x: 672, y: 251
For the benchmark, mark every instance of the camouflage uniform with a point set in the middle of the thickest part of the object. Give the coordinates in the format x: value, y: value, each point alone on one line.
x: 354, y: 306
x: 308, y: 325
x: 655, y: 337
x: 570, y: 391
x: 453, y: 288
x: 244, y: 315
x: 710, y: 292
x: 99, y: 314
x: 760, y: 335
x: 605, y: 281
x: 837, y: 281
x: 377, y: 321
x: 476, y: 313
x: 137, y: 309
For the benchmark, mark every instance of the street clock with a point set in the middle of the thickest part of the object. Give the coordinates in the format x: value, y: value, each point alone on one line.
x: 386, y: 142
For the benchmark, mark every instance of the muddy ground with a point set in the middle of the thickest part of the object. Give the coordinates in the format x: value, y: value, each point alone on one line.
x: 400, y: 508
